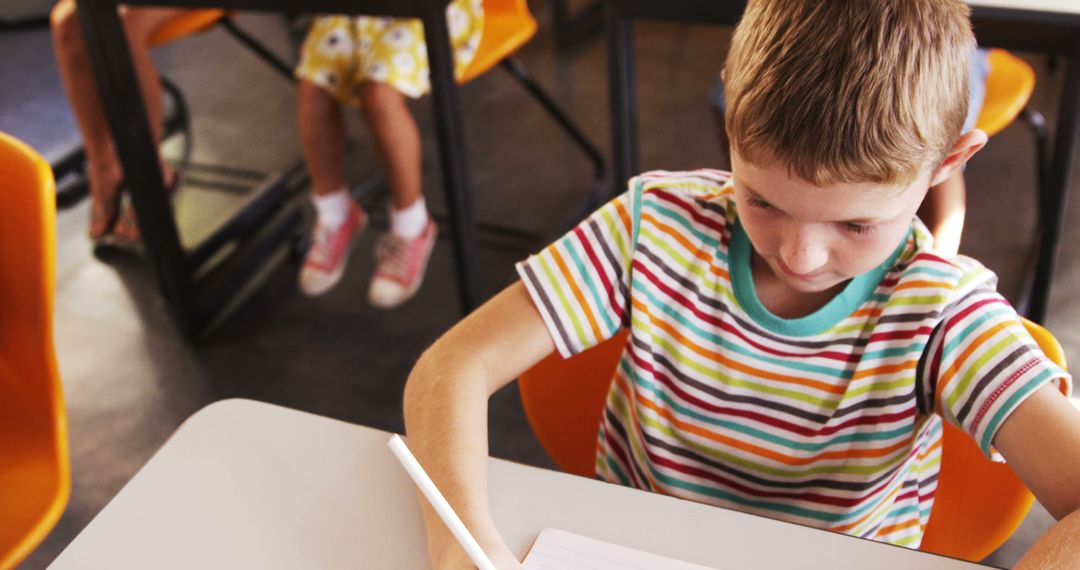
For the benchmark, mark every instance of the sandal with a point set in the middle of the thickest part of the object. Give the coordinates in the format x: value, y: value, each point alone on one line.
x: 125, y: 228
x: 104, y: 214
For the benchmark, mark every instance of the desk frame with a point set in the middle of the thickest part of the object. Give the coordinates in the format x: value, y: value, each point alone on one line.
x: 196, y: 294
x: 1015, y: 29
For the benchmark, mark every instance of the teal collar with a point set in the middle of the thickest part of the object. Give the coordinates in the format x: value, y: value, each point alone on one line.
x: 857, y: 292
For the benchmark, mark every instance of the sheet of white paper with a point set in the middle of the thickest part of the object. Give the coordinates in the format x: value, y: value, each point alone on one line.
x: 560, y: 550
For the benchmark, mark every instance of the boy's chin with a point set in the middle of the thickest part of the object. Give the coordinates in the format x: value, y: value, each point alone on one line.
x: 813, y: 286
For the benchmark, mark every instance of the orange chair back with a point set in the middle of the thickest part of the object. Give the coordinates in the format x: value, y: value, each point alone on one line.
x: 35, y: 480
x: 508, y: 25
x: 978, y: 505
x: 186, y: 24
x: 1008, y: 88
x: 564, y: 401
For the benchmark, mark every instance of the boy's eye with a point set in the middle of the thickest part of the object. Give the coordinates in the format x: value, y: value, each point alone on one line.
x: 858, y: 228
x: 759, y: 203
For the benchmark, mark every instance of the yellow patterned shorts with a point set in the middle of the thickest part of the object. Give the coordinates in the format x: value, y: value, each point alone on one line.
x: 343, y: 52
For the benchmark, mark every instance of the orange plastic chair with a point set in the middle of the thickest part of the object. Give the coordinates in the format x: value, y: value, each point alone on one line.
x: 979, y: 504
x: 508, y: 25
x: 1009, y: 86
x: 187, y: 24
x: 35, y: 479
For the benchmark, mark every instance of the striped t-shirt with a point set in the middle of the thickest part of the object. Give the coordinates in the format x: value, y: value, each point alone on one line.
x: 830, y: 420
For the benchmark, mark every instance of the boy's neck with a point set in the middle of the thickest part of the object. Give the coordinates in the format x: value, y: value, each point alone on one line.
x: 780, y: 299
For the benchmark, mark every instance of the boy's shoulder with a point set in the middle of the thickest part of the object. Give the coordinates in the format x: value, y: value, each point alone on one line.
x: 703, y: 183
x: 959, y: 273
x: 694, y: 193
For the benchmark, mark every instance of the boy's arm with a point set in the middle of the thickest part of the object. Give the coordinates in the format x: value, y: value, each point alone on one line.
x: 446, y: 414
x: 1041, y: 442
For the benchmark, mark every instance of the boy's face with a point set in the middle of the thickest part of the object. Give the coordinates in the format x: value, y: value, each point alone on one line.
x: 815, y: 238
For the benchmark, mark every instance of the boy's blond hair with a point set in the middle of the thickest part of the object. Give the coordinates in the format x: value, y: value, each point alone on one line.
x: 849, y: 90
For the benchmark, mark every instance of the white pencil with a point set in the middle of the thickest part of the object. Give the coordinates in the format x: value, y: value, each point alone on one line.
x: 435, y: 497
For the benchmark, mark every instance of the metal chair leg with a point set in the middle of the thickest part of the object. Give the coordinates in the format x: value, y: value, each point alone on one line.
x: 257, y: 48
x: 1037, y: 123
x: 599, y: 193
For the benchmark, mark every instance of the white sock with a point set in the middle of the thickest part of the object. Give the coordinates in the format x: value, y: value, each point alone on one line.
x: 410, y: 222
x: 332, y: 209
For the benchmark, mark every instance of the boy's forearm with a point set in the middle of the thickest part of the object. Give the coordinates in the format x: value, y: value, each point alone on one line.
x: 446, y: 401
x: 445, y: 419
x: 1059, y: 547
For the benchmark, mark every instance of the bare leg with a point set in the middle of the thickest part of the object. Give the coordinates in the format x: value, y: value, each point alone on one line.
x: 397, y: 141
x: 103, y: 169
x: 943, y: 211
x: 322, y: 136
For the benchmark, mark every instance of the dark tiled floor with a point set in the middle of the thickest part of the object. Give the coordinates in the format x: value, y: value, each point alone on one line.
x: 131, y: 379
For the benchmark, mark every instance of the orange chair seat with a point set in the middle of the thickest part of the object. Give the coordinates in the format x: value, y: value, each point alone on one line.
x: 186, y: 24
x: 1008, y: 88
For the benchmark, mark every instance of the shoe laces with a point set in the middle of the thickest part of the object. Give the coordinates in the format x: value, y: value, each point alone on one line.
x: 393, y: 254
x: 320, y: 246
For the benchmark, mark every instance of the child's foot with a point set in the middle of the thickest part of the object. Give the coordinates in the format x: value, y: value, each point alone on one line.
x: 324, y: 263
x: 104, y: 211
x: 400, y: 267
x: 125, y: 230
x: 106, y: 188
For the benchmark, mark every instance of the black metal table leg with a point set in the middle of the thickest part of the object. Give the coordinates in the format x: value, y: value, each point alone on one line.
x: 1060, y: 173
x: 622, y: 86
x: 110, y: 58
x: 452, y: 151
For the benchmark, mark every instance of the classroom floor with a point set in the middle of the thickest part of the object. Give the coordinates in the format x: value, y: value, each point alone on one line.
x: 130, y: 378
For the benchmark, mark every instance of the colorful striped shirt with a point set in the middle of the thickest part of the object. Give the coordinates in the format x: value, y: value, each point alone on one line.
x: 831, y: 420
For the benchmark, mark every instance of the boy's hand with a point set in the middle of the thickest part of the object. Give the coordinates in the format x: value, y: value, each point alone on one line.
x: 450, y: 556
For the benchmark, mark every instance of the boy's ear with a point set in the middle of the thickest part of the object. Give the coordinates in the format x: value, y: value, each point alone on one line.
x: 965, y: 147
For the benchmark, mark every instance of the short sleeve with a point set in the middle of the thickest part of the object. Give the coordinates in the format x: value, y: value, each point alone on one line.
x: 580, y: 283
x: 981, y: 363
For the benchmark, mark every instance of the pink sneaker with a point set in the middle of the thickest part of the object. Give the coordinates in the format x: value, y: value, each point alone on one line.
x: 400, y: 267
x: 325, y: 260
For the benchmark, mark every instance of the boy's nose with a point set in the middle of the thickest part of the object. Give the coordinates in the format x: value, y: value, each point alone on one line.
x: 803, y: 253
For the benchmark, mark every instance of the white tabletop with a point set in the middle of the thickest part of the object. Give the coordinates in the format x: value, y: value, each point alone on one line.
x: 244, y: 484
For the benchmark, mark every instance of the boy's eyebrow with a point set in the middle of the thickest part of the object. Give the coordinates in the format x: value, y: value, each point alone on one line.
x: 858, y: 221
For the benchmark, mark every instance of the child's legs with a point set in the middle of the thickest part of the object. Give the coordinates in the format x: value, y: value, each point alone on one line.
x: 139, y: 25
x: 397, y: 140
x: 322, y: 136
x: 81, y: 86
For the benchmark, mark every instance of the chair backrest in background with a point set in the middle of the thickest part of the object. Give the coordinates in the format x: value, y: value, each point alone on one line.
x: 1009, y: 86
x: 508, y: 25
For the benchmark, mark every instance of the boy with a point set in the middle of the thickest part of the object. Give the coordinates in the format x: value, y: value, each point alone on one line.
x: 795, y: 343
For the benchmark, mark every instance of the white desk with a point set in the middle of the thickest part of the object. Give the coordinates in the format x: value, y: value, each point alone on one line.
x: 249, y: 485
